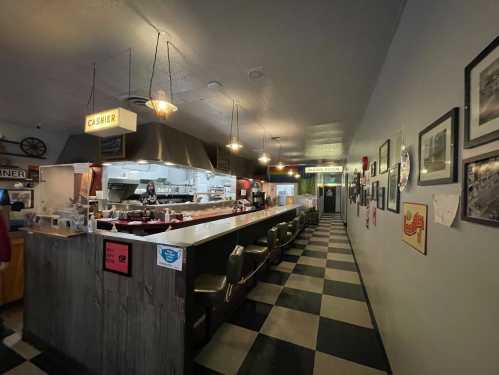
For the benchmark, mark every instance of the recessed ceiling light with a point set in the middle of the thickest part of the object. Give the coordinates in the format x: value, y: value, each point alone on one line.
x: 214, y: 85
x: 256, y: 73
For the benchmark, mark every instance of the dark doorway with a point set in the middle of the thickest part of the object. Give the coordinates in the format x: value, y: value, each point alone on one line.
x: 330, y: 199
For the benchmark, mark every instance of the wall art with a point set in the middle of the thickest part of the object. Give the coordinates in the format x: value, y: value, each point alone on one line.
x: 438, y: 145
x: 480, y: 189
x: 393, y: 200
x: 373, y: 169
x: 384, y: 157
x: 405, y: 167
x: 374, y: 190
x: 414, y: 227
x: 381, y: 198
x: 481, y: 110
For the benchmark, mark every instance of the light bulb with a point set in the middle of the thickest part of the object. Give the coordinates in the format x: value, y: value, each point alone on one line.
x: 280, y: 166
x: 160, y: 105
x: 234, y: 145
x: 264, y: 158
x: 290, y: 172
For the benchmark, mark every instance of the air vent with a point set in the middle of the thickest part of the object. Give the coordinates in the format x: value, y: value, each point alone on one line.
x: 256, y: 73
x: 136, y: 102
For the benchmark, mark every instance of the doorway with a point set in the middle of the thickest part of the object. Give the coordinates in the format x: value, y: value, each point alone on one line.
x: 330, y: 199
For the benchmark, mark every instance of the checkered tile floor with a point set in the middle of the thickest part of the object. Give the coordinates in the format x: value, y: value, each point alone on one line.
x: 307, y: 315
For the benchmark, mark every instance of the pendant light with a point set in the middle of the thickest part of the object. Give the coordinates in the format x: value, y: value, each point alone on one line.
x: 290, y: 172
x: 264, y: 158
x: 234, y: 145
x: 159, y: 103
x: 280, y: 165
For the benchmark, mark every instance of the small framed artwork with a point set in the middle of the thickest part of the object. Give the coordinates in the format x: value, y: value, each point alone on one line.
x: 438, y: 145
x: 384, y: 157
x: 481, y: 109
x: 381, y: 198
x: 393, y: 200
x: 22, y: 198
x: 117, y: 257
x: 414, y: 227
x: 373, y: 169
x: 480, y: 189
x: 374, y: 190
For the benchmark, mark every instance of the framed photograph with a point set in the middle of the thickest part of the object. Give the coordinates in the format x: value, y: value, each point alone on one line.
x: 381, y: 198
x: 374, y: 190
x: 117, y: 257
x: 113, y: 148
x: 384, y: 157
x: 438, y: 145
x: 393, y: 200
x: 480, y: 189
x: 22, y: 196
x: 414, y: 227
x: 373, y: 169
x: 481, y: 109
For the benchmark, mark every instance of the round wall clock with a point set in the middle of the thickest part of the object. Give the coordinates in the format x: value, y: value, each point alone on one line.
x: 405, y: 168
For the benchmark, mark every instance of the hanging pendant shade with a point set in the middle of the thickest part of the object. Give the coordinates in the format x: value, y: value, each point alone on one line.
x: 159, y: 101
x: 234, y: 145
x: 264, y: 158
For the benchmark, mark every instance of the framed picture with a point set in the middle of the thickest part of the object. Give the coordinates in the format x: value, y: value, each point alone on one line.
x: 24, y: 197
x: 373, y: 169
x: 384, y: 157
x: 117, y: 257
x: 113, y: 148
x: 414, y: 227
x: 393, y: 200
x: 481, y: 109
x: 438, y: 145
x: 480, y: 189
x: 374, y: 190
x: 381, y: 198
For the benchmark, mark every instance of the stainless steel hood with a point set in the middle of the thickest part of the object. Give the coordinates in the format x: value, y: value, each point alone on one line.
x: 152, y: 142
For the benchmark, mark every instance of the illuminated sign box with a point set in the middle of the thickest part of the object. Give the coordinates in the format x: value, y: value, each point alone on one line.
x: 325, y: 169
x: 110, y: 123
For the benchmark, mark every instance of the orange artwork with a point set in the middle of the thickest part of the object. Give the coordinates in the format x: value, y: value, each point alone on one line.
x: 414, y: 228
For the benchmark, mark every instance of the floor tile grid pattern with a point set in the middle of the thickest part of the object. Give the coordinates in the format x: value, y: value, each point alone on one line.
x: 307, y: 315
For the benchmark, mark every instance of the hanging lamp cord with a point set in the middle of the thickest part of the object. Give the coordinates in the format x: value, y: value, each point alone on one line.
x: 169, y: 70
x: 154, y: 65
x: 91, y: 96
x: 237, y: 122
x: 231, y: 122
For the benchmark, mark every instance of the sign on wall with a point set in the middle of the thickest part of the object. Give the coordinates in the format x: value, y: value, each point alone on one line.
x: 116, y: 121
x: 117, y: 257
x: 325, y: 169
x: 8, y: 172
x: 414, y: 227
x: 170, y: 257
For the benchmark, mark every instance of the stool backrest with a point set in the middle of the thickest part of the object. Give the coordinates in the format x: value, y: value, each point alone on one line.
x: 235, y: 265
x: 296, y: 224
x: 272, y: 238
x: 302, y: 219
x: 282, y: 230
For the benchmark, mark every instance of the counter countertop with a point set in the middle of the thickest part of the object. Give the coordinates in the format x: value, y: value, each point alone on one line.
x: 52, y: 232
x: 198, y: 234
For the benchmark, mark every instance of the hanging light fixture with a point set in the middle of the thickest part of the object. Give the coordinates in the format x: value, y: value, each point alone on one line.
x: 290, y: 172
x: 280, y: 165
x: 234, y: 145
x: 297, y: 176
x: 264, y: 158
x: 159, y: 102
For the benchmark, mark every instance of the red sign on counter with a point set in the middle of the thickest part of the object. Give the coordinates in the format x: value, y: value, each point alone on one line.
x: 117, y: 257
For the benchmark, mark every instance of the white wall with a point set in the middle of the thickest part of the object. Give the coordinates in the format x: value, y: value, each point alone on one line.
x: 438, y: 314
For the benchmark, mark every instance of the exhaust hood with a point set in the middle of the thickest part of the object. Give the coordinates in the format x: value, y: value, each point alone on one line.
x: 151, y: 142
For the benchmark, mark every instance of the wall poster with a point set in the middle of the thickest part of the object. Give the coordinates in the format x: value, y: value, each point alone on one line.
x: 414, y: 227
x: 117, y: 257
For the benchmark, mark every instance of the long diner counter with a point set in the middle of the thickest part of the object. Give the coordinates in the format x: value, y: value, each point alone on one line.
x: 137, y: 323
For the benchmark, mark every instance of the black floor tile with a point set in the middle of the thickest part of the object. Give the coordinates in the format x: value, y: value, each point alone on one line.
x: 313, y: 271
x: 300, y: 300
x: 9, y: 359
x: 5, y: 332
x: 299, y: 245
x: 251, y: 315
x: 341, y: 240
x: 275, y: 277
x: 270, y: 356
x: 351, y: 342
x: 314, y: 254
x: 318, y: 243
x: 341, y: 265
x: 201, y: 370
x: 320, y: 235
x: 54, y: 364
x: 339, y: 250
x: 290, y: 258
x: 344, y: 290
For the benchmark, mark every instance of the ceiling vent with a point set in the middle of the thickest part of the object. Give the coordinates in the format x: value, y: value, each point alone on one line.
x: 138, y: 103
x: 256, y: 73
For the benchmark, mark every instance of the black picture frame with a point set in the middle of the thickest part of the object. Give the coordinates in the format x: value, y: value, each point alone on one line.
x: 493, y: 158
x: 381, y: 198
x: 381, y: 167
x: 393, y: 172
x: 113, y: 148
x: 489, y: 137
x: 453, y: 115
x: 130, y: 258
x: 373, y: 168
x: 374, y: 190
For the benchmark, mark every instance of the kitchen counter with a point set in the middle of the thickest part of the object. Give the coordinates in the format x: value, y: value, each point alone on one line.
x: 52, y: 232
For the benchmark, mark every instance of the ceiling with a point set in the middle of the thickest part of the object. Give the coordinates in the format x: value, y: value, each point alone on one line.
x: 319, y: 59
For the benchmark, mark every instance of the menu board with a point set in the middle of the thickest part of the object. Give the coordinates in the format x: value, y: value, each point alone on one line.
x: 117, y: 257
x: 112, y: 148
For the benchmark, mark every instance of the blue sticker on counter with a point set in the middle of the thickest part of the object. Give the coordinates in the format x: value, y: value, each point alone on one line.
x: 170, y: 257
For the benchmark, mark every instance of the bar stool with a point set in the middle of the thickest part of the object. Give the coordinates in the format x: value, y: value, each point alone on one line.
x: 211, y: 290
x: 273, y: 241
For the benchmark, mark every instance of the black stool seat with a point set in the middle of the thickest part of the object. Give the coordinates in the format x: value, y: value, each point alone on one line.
x: 256, y: 250
x: 262, y: 241
x: 208, y: 283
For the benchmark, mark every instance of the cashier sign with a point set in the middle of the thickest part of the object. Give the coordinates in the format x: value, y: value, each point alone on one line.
x: 170, y: 257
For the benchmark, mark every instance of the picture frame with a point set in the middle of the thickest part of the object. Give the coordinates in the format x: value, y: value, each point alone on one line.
x: 374, y: 190
x: 481, y: 107
x: 438, y: 150
x: 373, y: 168
x: 415, y: 226
x: 393, y: 196
x: 25, y: 196
x: 480, y: 183
x: 384, y: 157
x: 117, y: 257
x: 381, y: 198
